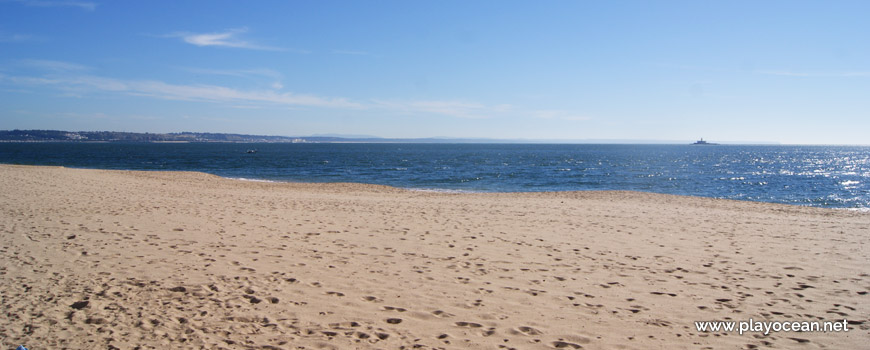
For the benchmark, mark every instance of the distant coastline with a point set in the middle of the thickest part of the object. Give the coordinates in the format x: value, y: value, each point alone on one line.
x: 202, y: 137
x: 114, y: 136
x: 205, y: 137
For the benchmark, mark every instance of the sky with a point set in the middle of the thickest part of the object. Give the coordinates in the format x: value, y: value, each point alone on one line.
x: 793, y: 72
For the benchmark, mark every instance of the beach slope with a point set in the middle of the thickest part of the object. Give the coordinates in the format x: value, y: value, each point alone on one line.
x: 156, y: 260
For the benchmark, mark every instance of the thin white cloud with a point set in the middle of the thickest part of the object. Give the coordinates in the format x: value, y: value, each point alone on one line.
x: 84, y: 5
x: 224, y: 94
x: 15, y: 38
x: 229, y: 38
x: 72, y: 83
x: 158, y: 89
x: 252, y: 74
x: 51, y: 65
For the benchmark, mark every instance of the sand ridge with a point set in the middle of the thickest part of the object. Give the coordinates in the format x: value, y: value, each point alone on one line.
x: 149, y: 260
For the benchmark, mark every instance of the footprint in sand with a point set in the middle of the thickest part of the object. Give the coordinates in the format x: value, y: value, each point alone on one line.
x: 252, y: 299
x: 442, y: 314
x: 379, y: 335
x: 525, y: 330
x: 566, y: 345
x: 488, y: 332
x: 372, y: 299
x: 351, y: 324
x: 363, y: 335
x: 468, y: 324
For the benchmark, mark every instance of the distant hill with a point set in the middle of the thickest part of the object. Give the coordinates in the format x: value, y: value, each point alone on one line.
x: 115, y: 136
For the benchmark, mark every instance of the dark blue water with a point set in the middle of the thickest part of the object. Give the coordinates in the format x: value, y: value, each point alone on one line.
x: 823, y: 176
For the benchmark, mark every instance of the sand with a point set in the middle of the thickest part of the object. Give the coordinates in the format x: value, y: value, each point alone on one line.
x: 95, y: 259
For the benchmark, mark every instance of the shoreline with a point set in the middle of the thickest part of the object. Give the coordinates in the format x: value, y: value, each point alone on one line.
x: 446, y: 191
x: 163, y: 259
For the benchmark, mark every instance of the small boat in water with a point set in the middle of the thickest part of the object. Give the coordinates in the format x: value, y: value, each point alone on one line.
x: 251, y: 151
x: 702, y: 142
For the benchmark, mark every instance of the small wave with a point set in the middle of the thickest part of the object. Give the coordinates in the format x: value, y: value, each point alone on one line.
x: 439, y: 190
x: 252, y: 180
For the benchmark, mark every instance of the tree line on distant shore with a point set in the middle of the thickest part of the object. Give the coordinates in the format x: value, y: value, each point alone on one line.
x: 116, y: 136
x: 119, y: 136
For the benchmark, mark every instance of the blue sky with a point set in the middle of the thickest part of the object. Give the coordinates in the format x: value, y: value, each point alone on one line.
x: 774, y: 71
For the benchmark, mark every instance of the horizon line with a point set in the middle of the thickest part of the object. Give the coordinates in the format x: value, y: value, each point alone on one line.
x: 445, y: 139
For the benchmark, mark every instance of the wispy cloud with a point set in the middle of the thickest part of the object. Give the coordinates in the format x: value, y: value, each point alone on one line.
x: 84, y: 5
x: 253, y: 74
x: 224, y: 94
x: 72, y: 80
x: 230, y: 38
x: 51, y: 65
x: 208, y: 93
x: 227, y: 39
x: 815, y: 74
x: 15, y: 38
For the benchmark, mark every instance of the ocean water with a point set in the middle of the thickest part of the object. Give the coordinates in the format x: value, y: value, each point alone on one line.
x: 821, y: 176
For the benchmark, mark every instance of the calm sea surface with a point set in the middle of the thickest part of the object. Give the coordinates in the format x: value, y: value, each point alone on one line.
x: 823, y: 176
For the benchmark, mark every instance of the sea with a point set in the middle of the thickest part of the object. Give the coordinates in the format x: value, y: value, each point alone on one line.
x: 818, y: 176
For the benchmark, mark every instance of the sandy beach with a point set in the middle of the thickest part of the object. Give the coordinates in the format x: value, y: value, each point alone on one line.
x: 96, y: 259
